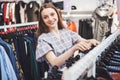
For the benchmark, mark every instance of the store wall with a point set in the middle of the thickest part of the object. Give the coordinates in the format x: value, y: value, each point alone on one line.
x: 81, y: 5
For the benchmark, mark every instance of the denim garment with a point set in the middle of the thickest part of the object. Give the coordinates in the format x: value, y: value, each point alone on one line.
x: 9, y: 51
x: 9, y: 71
x: 2, y: 71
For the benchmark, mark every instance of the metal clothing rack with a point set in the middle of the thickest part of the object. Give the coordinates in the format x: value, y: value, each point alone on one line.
x: 77, y: 14
x: 19, y: 25
x: 87, y: 63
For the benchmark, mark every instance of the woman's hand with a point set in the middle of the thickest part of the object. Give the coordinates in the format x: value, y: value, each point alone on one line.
x: 82, y: 46
x: 93, y: 42
x: 85, y: 44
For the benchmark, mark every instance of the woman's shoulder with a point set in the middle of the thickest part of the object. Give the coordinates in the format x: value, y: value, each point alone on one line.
x: 65, y: 30
x: 44, y: 36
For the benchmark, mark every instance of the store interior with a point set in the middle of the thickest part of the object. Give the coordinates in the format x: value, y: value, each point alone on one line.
x: 98, y: 19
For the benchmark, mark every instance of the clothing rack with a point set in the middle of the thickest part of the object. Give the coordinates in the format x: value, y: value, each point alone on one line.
x: 77, y: 14
x: 87, y: 63
x: 19, y: 25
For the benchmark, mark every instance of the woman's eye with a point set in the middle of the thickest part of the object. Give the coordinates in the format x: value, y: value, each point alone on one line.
x: 45, y: 17
x: 52, y: 14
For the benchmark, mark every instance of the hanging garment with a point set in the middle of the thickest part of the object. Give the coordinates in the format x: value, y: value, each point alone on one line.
x: 102, y: 25
x: 22, y: 14
x: 17, y: 11
x: 100, y: 28
x: 85, y: 29
x: 9, y: 73
x: 23, y: 58
x: 32, y: 11
x: 72, y: 26
x: 118, y: 8
x: 103, y: 72
x: 104, y: 10
x: 116, y: 76
x: 6, y: 13
x: 58, y: 4
x: 12, y: 13
x: 27, y: 59
x: 34, y: 66
x: 20, y: 71
x: 8, y: 49
x: 1, y: 14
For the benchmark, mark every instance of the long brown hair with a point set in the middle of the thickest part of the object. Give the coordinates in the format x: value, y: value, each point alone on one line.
x: 42, y: 26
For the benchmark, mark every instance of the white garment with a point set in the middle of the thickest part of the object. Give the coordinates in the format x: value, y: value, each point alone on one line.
x: 118, y: 8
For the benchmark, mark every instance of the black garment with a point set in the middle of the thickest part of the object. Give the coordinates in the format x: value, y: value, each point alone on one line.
x: 34, y: 67
x: 47, y: 1
x: 43, y: 67
x: 32, y: 11
x: 85, y: 29
x: 1, y: 14
x: 58, y: 5
x: 23, y: 57
x: 103, y: 72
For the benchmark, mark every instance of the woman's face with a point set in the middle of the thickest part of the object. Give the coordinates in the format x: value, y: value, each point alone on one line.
x: 50, y: 17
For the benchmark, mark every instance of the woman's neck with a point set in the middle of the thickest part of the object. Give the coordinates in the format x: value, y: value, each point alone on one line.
x: 56, y: 33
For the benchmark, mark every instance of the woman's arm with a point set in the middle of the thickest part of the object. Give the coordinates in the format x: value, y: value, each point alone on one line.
x: 60, y: 60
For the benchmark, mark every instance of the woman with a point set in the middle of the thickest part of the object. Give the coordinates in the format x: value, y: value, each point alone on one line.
x: 56, y: 43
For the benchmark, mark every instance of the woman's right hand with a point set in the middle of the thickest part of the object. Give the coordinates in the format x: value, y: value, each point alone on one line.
x: 82, y: 46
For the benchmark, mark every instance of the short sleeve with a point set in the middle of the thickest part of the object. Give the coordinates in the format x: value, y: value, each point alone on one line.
x: 42, y: 48
x: 75, y: 36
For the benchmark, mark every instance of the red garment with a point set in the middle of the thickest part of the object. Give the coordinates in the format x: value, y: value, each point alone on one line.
x: 4, y: 7
x: 115, y: 76
x: 6, y: 13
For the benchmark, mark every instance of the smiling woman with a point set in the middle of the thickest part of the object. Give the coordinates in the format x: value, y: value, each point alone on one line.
x: 50, y: 18
x: 55, y: 43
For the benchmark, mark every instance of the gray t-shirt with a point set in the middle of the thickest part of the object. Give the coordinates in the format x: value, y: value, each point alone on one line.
x: 48, y: 41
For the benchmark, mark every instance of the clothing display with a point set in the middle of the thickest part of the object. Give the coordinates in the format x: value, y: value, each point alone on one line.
x: 7, y: 71
x: 24, y: 65
x: 12, y: 12
x: 85, y: 29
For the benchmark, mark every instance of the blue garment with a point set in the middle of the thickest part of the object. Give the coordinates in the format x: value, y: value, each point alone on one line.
x: 3, y: 73
x: 8, y: 49
x: 8, y: 72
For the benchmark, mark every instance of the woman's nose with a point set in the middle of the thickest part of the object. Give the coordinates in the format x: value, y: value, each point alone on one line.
x: 50, y: 18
